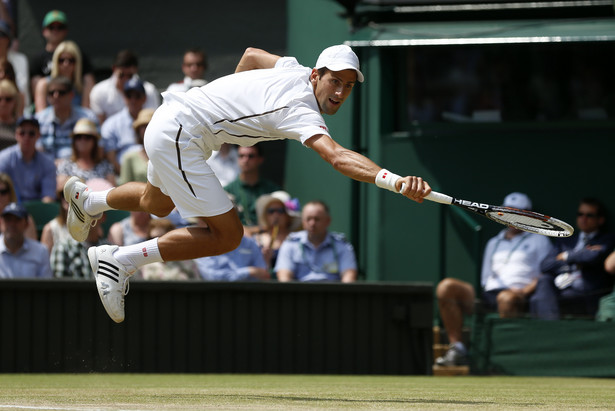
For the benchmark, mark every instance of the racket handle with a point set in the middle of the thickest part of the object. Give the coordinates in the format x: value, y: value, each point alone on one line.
x: 434, y: 196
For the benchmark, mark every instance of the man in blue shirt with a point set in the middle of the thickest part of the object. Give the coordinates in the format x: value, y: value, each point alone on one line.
x: 58, y: 120
x: 33, y: 173
x: 245, y: 263
x: 20, y: 256
x: 315, y: 254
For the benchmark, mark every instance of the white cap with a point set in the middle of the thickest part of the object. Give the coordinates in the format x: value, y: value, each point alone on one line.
x: 518, y: 200
x: 338, y: 58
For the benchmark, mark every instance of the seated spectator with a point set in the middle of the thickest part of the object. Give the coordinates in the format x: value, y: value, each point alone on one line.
x: 7, y: 72
x: 9, y: 96
x: 86, y: 161
x: 66, y: 62
x: 18, y: 60
x: 55, y: 31
x: 58, y: 120
x: 131, y: 230
x: 315, y: 254
x: 107, y: 96
x: 250, y: 185
x: 167, y: 270
x: 69, y: 258
x: 245, y: 263
x: 194, y: 65
x: 510, y: 271
x: 278, y: 216
x: 224, y: 163
x: 7, y: 196
x: 55, y: 230
x: 134, y: 162
x: 117, y: 131
x: 573, y: 277
x: 20, y: 256
x: 32, y: 172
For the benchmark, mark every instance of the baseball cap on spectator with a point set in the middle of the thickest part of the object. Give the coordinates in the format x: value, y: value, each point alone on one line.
x: 28, y: 120
x: 15, y: 209
x: 54, y: 16
x: 518, y: 200
x: 338, y: 58
x: 134, y: 84
x: 5, y: 29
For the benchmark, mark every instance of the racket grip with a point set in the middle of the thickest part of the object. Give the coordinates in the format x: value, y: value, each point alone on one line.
x: 434, y: 196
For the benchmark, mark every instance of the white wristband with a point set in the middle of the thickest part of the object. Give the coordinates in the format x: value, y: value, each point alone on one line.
x: 386, y: 179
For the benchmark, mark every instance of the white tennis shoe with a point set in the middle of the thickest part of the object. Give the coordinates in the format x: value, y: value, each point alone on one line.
x: 111, y: 279
x: 77, y: 220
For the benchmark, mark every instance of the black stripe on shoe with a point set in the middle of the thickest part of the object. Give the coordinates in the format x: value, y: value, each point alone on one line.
x: 108, y: 270
x: 77, y: 211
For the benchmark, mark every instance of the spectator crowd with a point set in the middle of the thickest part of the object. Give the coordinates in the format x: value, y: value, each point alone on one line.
x: 56, y: 121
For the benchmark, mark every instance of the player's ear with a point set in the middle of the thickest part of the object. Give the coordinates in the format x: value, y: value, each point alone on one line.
x: 314, y: 77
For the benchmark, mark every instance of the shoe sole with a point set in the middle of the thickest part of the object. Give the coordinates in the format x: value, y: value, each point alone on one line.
x: 94, y: 265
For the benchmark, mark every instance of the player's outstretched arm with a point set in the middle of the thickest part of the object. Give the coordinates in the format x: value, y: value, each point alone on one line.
x: 254, y: 58
x: 361, y: 168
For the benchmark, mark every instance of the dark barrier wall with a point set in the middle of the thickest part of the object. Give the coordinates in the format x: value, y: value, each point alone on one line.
x: 187, y: 327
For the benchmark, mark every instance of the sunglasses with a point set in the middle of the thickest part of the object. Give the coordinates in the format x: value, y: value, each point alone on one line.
x: 279, y: 210
x: 30, y: 133
x: 83, y: 136
x: 130, y: 95
x: 7, y: 99
x: 588, y: 215
x: 4, y: 191
x: 61, y: 93
x: 57, y: 27
x: 70, y: 60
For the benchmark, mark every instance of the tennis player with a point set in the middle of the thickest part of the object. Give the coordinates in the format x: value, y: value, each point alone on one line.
x: 268, y: 98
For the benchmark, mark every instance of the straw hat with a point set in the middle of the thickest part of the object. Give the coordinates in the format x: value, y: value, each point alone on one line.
x: 143, y: 118
x: 87, y: 127
x: 290, y: 204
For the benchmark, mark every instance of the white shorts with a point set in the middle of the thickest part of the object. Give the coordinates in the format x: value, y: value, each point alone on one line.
x: 177, y: 166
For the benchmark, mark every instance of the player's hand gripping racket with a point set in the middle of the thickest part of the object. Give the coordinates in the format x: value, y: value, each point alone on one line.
x: 522, y: 219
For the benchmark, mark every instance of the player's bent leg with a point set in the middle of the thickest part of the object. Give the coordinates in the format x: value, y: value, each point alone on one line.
x: 136, y: 196
x: 222, y: 234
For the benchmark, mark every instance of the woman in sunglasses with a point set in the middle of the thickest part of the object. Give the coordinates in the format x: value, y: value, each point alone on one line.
x: 278, y: 216
x: 66, y: 62
x: 87, y: 161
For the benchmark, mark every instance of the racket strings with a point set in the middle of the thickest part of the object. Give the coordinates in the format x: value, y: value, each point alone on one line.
x: 536, y: 223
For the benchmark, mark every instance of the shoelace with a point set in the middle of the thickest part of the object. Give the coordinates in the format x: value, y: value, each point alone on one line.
x: 126, y: 286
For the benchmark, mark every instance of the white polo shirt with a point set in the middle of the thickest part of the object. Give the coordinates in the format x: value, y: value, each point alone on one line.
x: 513, y: 263
x: 252, y: 106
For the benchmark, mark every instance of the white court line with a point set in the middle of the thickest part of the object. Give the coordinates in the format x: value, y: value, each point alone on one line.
x: 36, y: 407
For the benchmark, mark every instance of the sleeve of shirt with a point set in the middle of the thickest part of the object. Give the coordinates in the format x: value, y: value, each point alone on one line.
x: 49, y: 183
x: 45, y: 265
x: 347, y: 257
x: 286, y: 62
x: 217, y: 268
x: 285, y: 260
x: 257, y: 255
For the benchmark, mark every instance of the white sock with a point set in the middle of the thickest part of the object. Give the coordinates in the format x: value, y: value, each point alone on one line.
x: 96, y: 202
x: 140, y: 254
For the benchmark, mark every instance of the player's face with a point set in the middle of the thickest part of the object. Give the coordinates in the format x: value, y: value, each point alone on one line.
x: 332, y: 89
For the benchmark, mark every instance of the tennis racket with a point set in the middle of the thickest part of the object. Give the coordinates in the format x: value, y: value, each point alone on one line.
x: 522, y: 219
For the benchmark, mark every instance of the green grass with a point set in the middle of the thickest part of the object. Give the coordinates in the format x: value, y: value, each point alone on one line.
x: 284, y: 392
